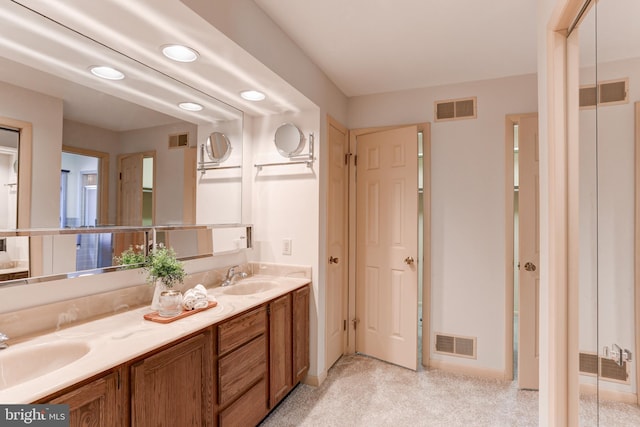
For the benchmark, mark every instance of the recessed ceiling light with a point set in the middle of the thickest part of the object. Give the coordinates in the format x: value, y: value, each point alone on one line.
x: 190, y: 106
x: 107, y: 72
x: 252, y: 95
x: 179, y: 53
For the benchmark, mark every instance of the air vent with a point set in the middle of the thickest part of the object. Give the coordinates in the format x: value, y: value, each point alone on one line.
x: 455, y: 109
x: 179, y: 140
x: 588, y: 363
x: 455, y: 345
x: 609, y: 370
x: 606, y: 93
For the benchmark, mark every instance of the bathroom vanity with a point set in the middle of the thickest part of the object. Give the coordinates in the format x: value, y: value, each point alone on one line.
x: 221, y: 367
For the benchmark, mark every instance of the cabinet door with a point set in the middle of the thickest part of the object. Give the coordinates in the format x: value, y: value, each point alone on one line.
x: 173, y: 387
x: 300, y: 334
x: 93, y: 404
x: 280, y: 348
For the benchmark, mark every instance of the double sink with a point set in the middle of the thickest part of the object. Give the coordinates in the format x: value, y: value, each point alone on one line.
x: 27, y: 361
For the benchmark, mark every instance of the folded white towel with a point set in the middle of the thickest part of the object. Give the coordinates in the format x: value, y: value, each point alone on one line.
x: 195, y: 298
x: 200, y: 303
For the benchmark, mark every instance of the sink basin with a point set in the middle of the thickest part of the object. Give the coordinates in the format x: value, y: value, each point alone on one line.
x: 23, y: 364
x: 250, y: 287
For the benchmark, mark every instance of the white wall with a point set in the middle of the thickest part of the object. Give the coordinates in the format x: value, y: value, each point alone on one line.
x: 219, y: 196
x: 285, y: 205
x: 169, y: 166
x: 45, y: 114
x: 468, y: 203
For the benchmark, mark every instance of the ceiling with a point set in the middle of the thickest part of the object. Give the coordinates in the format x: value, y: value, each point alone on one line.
x: 375, y: 46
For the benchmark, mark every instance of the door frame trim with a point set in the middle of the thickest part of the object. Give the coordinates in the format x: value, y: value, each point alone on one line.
x: 425, y: 127
x: 103, y: 178
x: 25, y: 158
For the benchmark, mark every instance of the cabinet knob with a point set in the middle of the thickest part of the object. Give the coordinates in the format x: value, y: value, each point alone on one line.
x: 333, y: 260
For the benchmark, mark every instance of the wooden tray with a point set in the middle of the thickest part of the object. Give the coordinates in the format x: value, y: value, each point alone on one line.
x: 155, y: 317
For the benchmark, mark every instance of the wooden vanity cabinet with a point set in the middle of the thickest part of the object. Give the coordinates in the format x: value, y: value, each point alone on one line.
x: 280, y: 349
x: 288, y: 343
x: 229, y: 374
x: 301, y: 301
x: 242, y: 383
x: 97, y: 403
x: 174, y: 386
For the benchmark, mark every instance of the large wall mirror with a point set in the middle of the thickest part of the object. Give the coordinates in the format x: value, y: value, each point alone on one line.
x: 46, y: 80
x: 77, y: 150
x: 609, y: 93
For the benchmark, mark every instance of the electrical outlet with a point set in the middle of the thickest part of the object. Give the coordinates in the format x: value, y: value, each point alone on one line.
x: 286, y: 246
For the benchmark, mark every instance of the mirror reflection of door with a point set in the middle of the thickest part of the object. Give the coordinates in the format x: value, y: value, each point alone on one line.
x: 135, y: 190
x: 9, y: 141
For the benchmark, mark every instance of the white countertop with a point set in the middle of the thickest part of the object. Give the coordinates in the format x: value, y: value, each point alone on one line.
x: 117, y: 339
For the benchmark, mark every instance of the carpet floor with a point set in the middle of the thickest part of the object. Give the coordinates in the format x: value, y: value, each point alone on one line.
x: 361, y: 391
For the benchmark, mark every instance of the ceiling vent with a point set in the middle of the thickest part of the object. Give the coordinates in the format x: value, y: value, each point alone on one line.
x: 605, y: 93
x: 179, y: 140
x: 609, y: 370
x: 455, y: 109
x: 456, y: 345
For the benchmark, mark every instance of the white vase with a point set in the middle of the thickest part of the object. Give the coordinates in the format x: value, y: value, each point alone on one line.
x: 155, y: 302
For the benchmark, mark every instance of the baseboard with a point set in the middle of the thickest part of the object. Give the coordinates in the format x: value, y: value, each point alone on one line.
x: 609, y: 395
x: 315, y: 380
x: 474, y: 371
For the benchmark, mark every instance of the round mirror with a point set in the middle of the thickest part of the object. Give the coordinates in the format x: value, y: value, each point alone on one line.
x: 289, y: 140
x: 218, y: 147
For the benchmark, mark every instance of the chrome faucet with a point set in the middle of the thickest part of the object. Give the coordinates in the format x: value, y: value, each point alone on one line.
x: 3, y: 341
x: 232, y: 274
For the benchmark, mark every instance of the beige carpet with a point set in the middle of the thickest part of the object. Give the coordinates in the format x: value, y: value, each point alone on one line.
x: 361, y: 391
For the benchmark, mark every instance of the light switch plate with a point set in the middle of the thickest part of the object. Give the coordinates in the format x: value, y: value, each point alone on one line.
x: 286, y: 246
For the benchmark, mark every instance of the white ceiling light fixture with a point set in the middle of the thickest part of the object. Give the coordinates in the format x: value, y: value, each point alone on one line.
x: 252, y: 95
x: 105, y: 72
x: 190, y: 106
x: 179, y: 53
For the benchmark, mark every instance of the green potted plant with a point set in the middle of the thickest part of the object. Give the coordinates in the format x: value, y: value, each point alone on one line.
x: 164, y: 270
x: 130, y: 258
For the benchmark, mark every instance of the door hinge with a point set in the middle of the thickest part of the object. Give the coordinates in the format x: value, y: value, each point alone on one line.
x: 355, y: 322
x: 344, y: 324
x: 346, y: 158
x: 268, y: 309
x: 117, y: 380
x: 120, y: 176
x: 355, y: 160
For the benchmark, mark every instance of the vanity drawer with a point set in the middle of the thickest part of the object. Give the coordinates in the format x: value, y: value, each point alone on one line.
x: 241, y: 368
x: 242, y: 329
x: 248, y: 410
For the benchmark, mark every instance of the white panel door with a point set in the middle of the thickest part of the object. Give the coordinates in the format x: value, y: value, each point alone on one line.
x: 337, y: 240
x: 130, y: 190
x: 529, y: 250
x: 387, y: 245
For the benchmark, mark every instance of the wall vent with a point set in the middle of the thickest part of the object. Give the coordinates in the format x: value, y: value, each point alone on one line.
x: 609, y: 370
x: 456, y: 345
x: 179, y: 140
x: 455, y: 109
x: 605, y: 93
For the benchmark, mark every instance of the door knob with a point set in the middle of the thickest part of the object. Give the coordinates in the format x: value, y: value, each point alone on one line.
x: 333, y: 260
x: 408, y: 260
x: 529, y: 266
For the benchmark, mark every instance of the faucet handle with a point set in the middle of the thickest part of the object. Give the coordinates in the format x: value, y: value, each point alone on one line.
x: 3, y: 341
